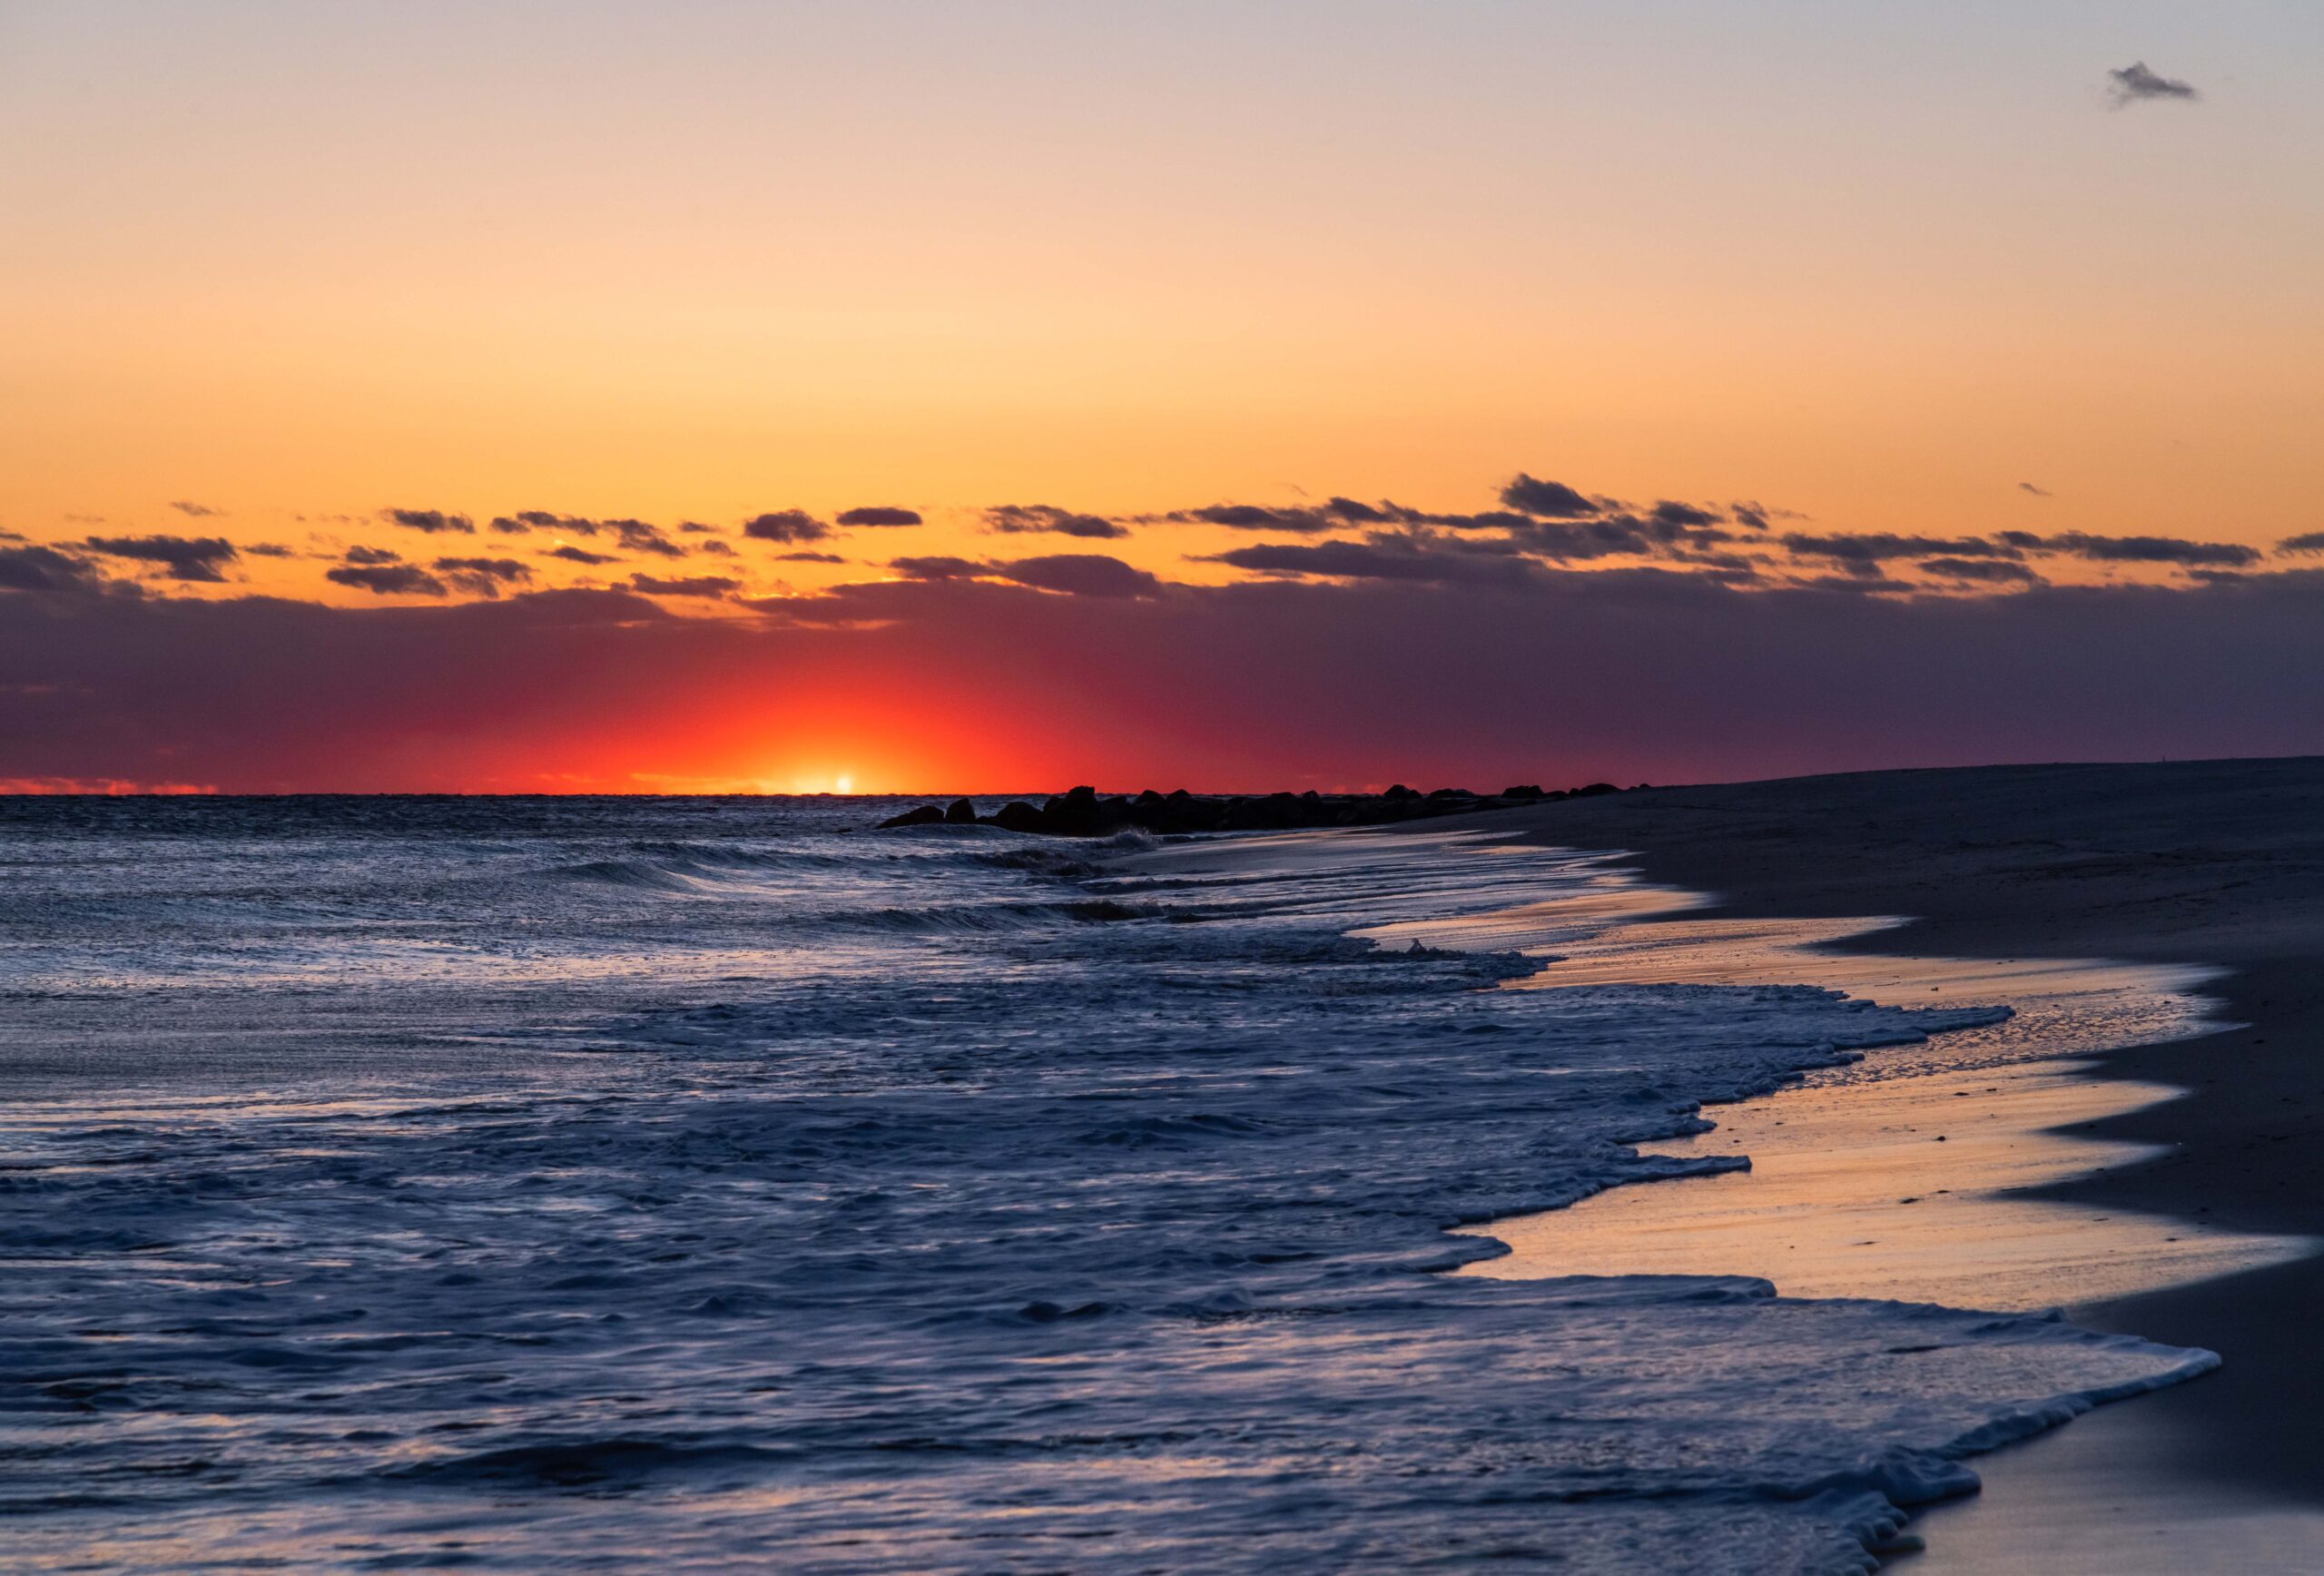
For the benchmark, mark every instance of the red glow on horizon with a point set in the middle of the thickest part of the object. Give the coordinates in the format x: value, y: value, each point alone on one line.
x: 105, y: 787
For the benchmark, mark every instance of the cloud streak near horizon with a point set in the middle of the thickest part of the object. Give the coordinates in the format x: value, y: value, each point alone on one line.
x: 1541, y: 524
x: 1561, y: 634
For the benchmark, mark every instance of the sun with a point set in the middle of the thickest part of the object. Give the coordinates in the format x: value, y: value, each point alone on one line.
x: 809, y: 781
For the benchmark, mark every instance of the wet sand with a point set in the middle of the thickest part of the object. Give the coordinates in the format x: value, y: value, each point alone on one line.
x: 1915, y: 1175
x: 2194, y: 863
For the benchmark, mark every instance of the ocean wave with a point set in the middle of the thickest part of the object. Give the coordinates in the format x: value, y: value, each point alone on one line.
x: 950, y: 1207
x: 641, y: 874
x: 982, y: 919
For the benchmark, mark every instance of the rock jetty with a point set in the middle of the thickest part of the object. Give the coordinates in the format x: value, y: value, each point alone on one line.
x: 1086, y: 812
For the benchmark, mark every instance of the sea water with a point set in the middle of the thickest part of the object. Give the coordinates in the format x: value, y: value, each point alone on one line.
x: 692, y: 1183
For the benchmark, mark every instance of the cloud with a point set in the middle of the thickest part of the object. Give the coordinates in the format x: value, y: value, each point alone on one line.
x: 1073, y: 574
x: 2027, y: 486
x: 573, y: 555
x: 1854, y: 580
x: 199, y: 511
x: 2149, y: 549
x: 362, y: 555
x: 718, y: 549
x: 1080, y: 575
x: 1983, y: 571
x: 181, y: 557
x: 1383, y: 557
x: 2309, y: 542
x: 807, y: 558
x: 697, y: 528
x: 37, y: 568
x: 786, y: 525
x: 1334, y: 514
x: 1611, y: 536
x: 1489, y: 520
x: 1549, y: 520
x: 484, y: 576
x: 433, y: 521
x: 1732, y: 567
x: 1878, y: 547
x: 525, y: 521
x: 641, y: 537
x: 879, y: 514
x: 269, y: 550
x: 1256, y: 517
x: 1357, y: 512
x: 1669, y: 513
x: 1531, y: 504
x: 2135, y: 83
x: 636, y: 535
x: 1026, y: 518
x: 1548, y: 500
x: 389, y: 580
x: 935, y: 569
x: 507, y: 569
x: 709, y: 585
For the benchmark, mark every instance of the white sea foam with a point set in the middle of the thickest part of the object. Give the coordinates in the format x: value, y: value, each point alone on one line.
x: 391, y: 1185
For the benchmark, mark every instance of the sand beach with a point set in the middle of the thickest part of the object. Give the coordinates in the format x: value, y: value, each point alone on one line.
x: 2211, y: 865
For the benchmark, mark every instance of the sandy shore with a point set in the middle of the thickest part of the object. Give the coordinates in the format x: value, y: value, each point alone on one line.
x: 2184, y: 863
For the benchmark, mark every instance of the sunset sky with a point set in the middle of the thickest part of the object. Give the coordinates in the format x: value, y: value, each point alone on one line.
x: 529, y: 396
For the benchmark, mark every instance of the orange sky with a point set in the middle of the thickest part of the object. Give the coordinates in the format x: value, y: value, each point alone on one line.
x: 704, y: 263
x: 1878, y: 269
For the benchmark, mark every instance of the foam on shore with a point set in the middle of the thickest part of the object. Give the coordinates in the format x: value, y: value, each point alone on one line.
x: 1902, y: 1175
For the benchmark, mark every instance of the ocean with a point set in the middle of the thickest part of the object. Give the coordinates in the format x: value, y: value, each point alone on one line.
x: 695, y: 1183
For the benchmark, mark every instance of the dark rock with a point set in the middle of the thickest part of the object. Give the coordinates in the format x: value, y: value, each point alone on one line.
x: 1017, y: 816
x: 961, y: 812
x: 1078, y: 813
x: 1081, y: 812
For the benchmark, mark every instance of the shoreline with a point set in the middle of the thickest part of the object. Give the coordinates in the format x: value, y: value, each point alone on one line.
x: 2207, y: 863
x: 1912, y: 1174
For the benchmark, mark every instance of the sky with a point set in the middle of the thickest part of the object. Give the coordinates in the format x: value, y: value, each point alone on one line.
x: 927, y: 397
